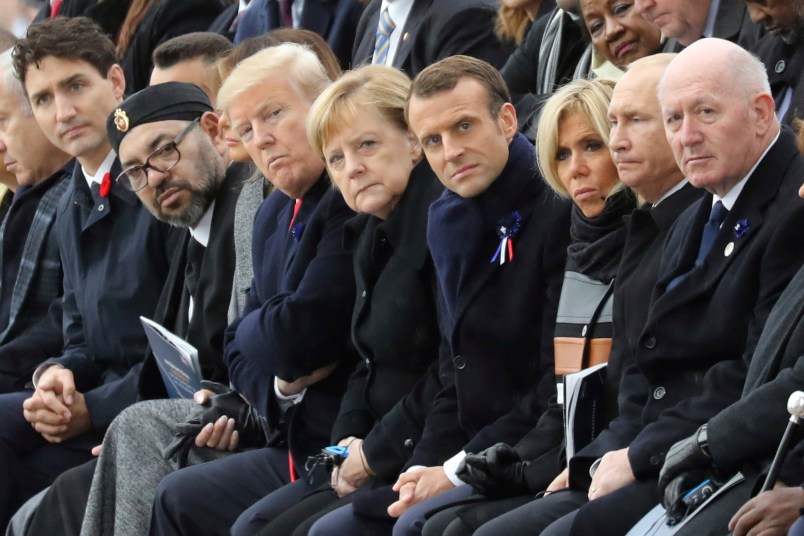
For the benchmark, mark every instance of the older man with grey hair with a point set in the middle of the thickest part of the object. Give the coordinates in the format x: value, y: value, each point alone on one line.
x: 30, y: 266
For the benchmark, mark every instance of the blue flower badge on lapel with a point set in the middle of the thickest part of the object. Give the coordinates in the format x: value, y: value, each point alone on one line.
x: 507, y: 229
x: 741, y: 228
x: 296, y: 231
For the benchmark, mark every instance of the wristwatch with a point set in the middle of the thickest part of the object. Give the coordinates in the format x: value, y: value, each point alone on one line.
x: 703, y: 441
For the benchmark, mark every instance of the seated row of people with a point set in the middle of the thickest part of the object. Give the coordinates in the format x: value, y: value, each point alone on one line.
x: 492, y: 379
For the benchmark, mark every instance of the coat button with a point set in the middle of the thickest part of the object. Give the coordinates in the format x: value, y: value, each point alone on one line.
x: 780, y: 66
x: 100, y: 207
x: 409, y: 444
x: 655, y: 460
x: 368, y: 362
x: 659, y: 393
x: 364, y: 294
x: 650, y: 342
x: 459, y: 362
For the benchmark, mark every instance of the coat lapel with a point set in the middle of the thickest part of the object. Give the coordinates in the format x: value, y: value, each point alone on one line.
x: 415, y: 17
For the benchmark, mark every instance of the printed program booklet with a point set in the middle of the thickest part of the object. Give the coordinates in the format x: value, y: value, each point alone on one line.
x: 177, y: 360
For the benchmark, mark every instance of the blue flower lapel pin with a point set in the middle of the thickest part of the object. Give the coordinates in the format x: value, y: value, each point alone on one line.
x: 741, y: 228
x: 296, y: 231
x: 507, y: 229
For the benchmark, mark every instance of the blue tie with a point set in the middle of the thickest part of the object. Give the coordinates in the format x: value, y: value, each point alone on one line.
x: 712, y: 227
x: 382, y: 42
x: 710, y: 231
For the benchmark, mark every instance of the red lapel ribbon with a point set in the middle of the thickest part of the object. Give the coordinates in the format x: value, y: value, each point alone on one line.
x: 106, y: 184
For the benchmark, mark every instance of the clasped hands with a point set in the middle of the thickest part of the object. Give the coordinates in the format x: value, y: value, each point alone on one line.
x: 56, y: 410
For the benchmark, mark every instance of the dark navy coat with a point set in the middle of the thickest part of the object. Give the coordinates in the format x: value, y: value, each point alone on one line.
x: 497, y: 321
x: 334, y: 20
x: 115, y: 257
x: 296, y: 317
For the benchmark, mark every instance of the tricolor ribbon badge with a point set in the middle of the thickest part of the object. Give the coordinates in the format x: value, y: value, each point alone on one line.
x: 507, y: 229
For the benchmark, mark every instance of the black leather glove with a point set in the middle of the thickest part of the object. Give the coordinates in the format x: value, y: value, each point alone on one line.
x: 687, y: 492
x: 250, y: 425
x: 685, y: 456
x: 496, y: 472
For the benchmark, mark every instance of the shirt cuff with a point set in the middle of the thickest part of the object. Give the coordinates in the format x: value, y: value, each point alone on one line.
x: 451, y: 466
x: 41, y: 370
x: 287, y: 401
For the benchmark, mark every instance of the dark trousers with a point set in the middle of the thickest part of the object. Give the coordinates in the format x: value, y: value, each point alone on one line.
x: 62, y: 508
x: 208, y: 498
x: 570, y: 513
x: 465, y: 519
x: 282, y: 511
x: 28, y: 463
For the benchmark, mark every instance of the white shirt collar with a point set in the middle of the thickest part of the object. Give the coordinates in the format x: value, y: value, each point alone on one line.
x: 709, y: 29
x: 243, y: 5
x: 201, y: 231
x: 671, y: 191
x: 398, y: 10
x: 105, y: 167
x: 731, y: 197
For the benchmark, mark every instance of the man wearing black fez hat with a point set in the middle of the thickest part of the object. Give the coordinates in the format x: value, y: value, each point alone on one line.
x: 141, y: 126
x: 115, y: 257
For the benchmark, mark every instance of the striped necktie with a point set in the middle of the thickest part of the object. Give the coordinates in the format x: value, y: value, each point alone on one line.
x: 382, y: 42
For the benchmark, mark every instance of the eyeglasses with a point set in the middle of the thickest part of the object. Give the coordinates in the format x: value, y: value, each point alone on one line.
x: 163, y: 159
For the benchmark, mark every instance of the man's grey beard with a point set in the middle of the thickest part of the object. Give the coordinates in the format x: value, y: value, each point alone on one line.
x: 199, y: 202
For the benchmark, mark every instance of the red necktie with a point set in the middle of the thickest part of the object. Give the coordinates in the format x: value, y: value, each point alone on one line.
x: 106, y: 184
x: 296, y: 208
x: 291, y: 469
x: 55, y: 6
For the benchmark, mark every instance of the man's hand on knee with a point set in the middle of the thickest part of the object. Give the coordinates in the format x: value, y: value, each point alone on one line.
x: 417, y: 486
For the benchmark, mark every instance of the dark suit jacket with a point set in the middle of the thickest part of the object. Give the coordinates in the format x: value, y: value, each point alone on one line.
x: 434, y: 30
x: 745, y: 435
x: 211, y: 302
x: 525, y: 72
x: 394, y: 324
x: 732, y: 23
x: 115, y: 257
x: 296, y: 318
x: 785, y: 66
x: 164, y: 20
x: 692, y: 356
x: 334, y: 20
x: 31, y: 335
x: 223, y: 23
x: 497, y: 321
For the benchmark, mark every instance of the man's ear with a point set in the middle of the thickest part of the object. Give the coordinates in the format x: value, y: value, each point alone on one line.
x: 118, y: 80
x: 209, y: 123
x: 764, y: 109
x: 506, y: 119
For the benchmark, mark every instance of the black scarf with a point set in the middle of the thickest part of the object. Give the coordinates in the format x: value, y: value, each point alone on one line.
x: 597, y: 243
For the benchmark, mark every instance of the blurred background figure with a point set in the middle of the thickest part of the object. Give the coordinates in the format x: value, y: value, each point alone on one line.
x: 16, y: 15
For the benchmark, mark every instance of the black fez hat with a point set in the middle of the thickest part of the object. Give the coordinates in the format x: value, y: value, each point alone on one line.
x: 162, y: 102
